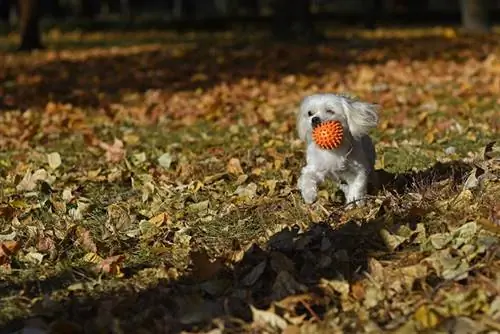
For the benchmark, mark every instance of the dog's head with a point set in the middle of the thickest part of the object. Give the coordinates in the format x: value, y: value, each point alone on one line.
x: 356, y: 117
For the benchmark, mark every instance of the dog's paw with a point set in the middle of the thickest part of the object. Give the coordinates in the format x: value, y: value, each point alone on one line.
x: 309, y: 196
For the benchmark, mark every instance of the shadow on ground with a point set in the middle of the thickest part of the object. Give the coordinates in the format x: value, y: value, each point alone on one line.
x: 189, y: 65
x: 292, y: 263
x: 399, y: 183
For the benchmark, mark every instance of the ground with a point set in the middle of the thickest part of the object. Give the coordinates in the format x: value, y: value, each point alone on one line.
x: 148, y: 184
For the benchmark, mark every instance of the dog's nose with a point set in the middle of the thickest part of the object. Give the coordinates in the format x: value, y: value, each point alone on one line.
x: 315, y: 121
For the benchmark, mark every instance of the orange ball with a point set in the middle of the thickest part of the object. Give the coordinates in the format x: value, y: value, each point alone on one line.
x: 328, y: 135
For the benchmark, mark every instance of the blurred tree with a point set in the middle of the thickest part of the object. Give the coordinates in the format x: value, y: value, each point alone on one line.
x: 90, y: 8
x: 475, y: 17
x: 292, y: 19
x: 253, y: 7
x: 4, y: 10
x: 52, y: 8
x: 182, y: 9
x: 373, y: 11
x: 30, y: 25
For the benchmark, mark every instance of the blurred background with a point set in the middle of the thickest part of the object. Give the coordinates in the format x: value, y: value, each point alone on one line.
x: 286, y: 19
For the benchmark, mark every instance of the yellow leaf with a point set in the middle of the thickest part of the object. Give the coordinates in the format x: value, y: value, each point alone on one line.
x: 257, y: 171
x: 158, y: 220
x: 131, y: 138
x: 426, y: 317
x: 471, y: 136
x: 430, y: 137
x: 92, y: 258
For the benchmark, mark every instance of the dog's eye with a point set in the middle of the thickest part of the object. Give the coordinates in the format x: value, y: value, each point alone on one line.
x: 330, y: 111
x: 309, y: 113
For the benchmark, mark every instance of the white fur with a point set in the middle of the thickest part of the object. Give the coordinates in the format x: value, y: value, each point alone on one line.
x: 352, y: 163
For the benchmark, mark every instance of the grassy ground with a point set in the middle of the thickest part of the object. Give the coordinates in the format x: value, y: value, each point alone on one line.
x: 148, y: 185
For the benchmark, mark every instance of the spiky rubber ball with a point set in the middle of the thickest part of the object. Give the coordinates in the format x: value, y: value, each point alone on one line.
x: 328, y: 135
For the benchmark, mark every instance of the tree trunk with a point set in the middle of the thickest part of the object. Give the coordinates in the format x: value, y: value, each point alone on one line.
x: 30, y: 25
x: 5, y: 10
x: 475, y: 15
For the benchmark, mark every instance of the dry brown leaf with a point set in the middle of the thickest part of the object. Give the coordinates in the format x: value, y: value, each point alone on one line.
x: 159, y: 219
x: 358, y: 290
x: 234, y: 167
x: 45, y: 244
x: 7, y: 250
x: 203, y: 267
x: 115, y: 152
x: 111, y: 265
x: 254, y: 274
x: 85, y: 239
x: 376, y: 270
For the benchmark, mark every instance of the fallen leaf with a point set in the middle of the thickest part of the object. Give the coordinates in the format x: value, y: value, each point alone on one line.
x: 254, y: 274
x: 139, y: 158
x: 85, y: 240
x: 464, y: 234
x: 46, y: 244
x: 35, y: 257
x: 30, y: 180
x: 267, y: 319
x: 159, y: 219
x: 203, y: 267
x: 8, y: 237
x: 7, y: 250
x: 165, y: 160
x: 249, y: 191
x: 376, y: 270
x: 358, y: 290
x: 285, y: 284
x: 111, y: 265
x: 234, y: 167
x: 199, y: 206
x: 54, y: 160
x: 392, y: 241
x: 439, y: 240
x: 473, y: 180
x: 339, y: 286
x: 115, y: 152
x: 426, y: 317
x: 92, y: 258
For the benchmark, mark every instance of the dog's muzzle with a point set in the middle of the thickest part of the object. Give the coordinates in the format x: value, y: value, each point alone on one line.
x: 315, y: 121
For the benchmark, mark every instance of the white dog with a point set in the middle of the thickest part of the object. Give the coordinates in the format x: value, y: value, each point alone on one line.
x: 352, y: 163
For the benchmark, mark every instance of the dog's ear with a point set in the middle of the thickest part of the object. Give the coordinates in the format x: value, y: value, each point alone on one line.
x: 303, y: 126
x: 361, y: 117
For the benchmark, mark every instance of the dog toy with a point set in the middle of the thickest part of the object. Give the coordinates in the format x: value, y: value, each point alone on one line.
x: 328, y: 135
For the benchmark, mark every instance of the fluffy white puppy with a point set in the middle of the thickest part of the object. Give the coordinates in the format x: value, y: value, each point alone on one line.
x: 352, y: 163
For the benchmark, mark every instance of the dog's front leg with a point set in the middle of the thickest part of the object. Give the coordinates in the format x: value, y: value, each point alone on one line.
x: 356, y: 190
x: 308, y: 183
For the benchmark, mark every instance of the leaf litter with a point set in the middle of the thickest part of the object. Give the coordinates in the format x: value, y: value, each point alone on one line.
x: 174, y: 207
